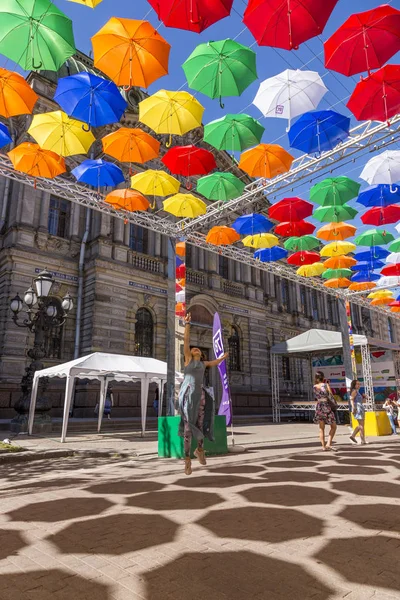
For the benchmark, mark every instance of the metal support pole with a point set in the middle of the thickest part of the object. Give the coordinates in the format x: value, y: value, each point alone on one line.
x: 276, y: 410
x: 171, y: 321
x: 367, y: 376
x: 347, y: 341
x: 396, y: 363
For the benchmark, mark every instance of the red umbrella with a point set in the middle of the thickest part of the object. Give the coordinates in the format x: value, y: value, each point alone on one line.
x: 303, y: 258
x: 395, y: 303
x: 189, y: 160
x: 287, y: 23
x: 381, y: 215
x: 180, y: 272
x: 391, y: 270
x: 290, y: 209
x: 287, y: 228
x: 365, y: 41
x: 377, y: 98
x: 193, y: 15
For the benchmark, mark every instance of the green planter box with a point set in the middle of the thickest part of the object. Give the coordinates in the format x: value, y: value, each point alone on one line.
x: 170, y: 445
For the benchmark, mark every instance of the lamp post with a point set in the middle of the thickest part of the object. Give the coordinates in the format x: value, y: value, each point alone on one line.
x: 43, y: 313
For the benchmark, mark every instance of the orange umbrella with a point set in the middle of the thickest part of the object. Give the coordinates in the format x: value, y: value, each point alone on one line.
x: 127, y: 199
x: 222, y: 236
x: 180, y: 249
x: 32, y: 159
x: 340, y: 262
x: 16, y: 95
x: 266, y: 160
x: 362, y: 286
x: 336, y: 231
x: 395, y: 309
x: 340, y: 282
x: 130, y: 52
x: 381, y: 301
x: 131, y: 145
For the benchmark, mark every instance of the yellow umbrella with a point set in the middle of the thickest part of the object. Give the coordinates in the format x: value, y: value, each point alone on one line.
x: 174, y: 113
x: 337, y: 249
x: 185, y: 205
x: 55, y: 131
x: 155, y: 183
x: 89, y: 3
x: 311, y: 270
x: 381, y: 294
x: 261, y: 240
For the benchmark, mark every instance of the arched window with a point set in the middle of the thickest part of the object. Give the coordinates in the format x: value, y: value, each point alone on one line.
x: 144, y: 329
x: 53, y: 338
x: 234, y: 350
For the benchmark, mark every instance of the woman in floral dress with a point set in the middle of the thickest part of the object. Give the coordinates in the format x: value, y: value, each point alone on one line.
x: 324, y: 414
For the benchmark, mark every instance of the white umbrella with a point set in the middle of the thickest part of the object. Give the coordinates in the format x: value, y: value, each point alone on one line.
x: 397, y: 227
x: 387, y: 281
x: 393, y: 258
x: 289, y: 94
x: 384, y: 168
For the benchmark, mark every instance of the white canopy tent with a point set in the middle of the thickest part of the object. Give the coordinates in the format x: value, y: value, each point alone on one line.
x: 105, y: 368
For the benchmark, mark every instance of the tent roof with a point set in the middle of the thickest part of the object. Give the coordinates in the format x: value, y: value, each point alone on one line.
x: 315, y: 340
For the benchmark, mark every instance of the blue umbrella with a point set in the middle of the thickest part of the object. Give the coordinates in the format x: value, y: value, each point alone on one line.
x: 375, y: 252
x: 98, y: 173
x: 379, y: 195
x: 365, y: 276
x: 318, y: 131
x: 5, y: 137
x: 90, y: 99
x: 370, y: 265
x: 270, y: 254
x: 252, y: 224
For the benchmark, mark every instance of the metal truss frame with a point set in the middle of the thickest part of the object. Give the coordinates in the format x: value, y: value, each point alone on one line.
x: 310, y: 407
x: 367, y: 377
x: 276, y: 414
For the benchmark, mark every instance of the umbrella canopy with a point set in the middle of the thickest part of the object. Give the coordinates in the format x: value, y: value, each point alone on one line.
x: 193, y: 15
x: 362, y: 276
x: 334, y: 214
x: 334, y: 191
x: 294, y: 228
x: 129, y: 200
x: 381, y: 294
x: 155, y: 183
x: 305, y: 242
x: 35, y: 34
x: 286, y: 23
x: 290, y: 94
x: 336, y: 273
x: 395, y: 309
x: 311, y: 270
x: 180, y: 249
x: 377, y: 98
x: 379, y: 195
x: 217, y: 69
x: 5, y: 137
x: 59, y: 133
x: 252, y: 224
x: 384, y: 168
x: 393, y: 258
x: 185, y: 205
x: 303, y: 258
x: 180, y: 272
x: 131, y: 145
x: 374, y: 253
x: 222, y: 236
x: 88, y: 3
x: 365, y: 41
x: 368, y: 265
x: 340, y: 262
x: 189, y: 161
x: 381, y: 215
x: 290, y: 209
x: 362, y: 286
x: 315, y: 132
x: 394, y: 247
x: 374, y: 237
x: 220, y: 186
x: 90, y: 98
x: 389, y: 281
x: 270, y: 254
x: 395, y: 303
x: 380, y: 301
x: 98, y: 173
x: 266, y: 160
x: 16, y: 95
x: 336, y: 231
x: 32, y: 159
x: 391, y: 270
x: 339, y: 248
x: 233, y: 132
x: 260, y: 240
x: 341, y: 282
x: 130, y: 52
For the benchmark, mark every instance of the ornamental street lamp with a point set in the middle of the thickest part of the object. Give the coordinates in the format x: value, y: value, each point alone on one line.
x: 43, y: 313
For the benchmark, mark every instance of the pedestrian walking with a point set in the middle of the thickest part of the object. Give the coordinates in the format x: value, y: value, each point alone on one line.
x: 358, y: 410
x: 196, y: 406
x: 324, y: 410
x: 392, y: 411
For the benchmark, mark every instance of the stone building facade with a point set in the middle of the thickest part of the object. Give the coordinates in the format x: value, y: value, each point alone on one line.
x: 125, y: 293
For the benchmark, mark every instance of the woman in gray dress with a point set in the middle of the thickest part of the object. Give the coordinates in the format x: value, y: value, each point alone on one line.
x: 196, y: 406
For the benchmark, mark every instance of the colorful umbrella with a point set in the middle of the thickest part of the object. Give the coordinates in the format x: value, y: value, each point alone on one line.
x: 315, y: 132
x: 155, y: 183
x: 89, y: 3
x: 336, y: 231
x: 394, y: 247
x: 290, y: 209
x: 233, y: 132
x: 380, y: 302
x: 305, y: 242
x: 294, y: 228
x: 395, y: 309
x: 131, y: 145
x: 381, y: 215
x: 362, y: 276
x: 374, y: 237
x: 379, y: 195
x: 375, y: 252
x: 334, y: 214
x: 193, y: 15
x: 185, y: 205
x: 393, y: 258
x: 222, y: 236
x: 303, y: 258
x: 126, y: 199
x: 35, y: 34
x: 311, y: 270
x: 270, y: 254
x: 189, y: 160
x: 391, y: 270
x: 5, y: 137
x: 340, y: 262
x: 336, y: 273
x: 98, y: 173
x: 130, y: 52
x: 339, y: 248
x: 380, y: 294
x: 260, y: 240
x: 388, y: 281
x: 341, y: 282
x: 57, y: 132
x: 395, y: 303
x: 252, y: 224
x: 16, y: 95
x: 32, y: 159
x: 173, y: 113
x: 289, y: 94
x: 286, y: 23
x: 334, y: 191
x: 181, y: 272
x: 180, y: 249
x: 266, y: 160
x: 90, y: 98
x: 377, y: 98
x: 384, y: 168
x: 220, y: 186
x: 368, y: 265
x: 362, y: 286
x: 218, y: 69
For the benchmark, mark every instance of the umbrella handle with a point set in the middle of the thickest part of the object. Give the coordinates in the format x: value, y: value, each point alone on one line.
x: 169, y: 143
x: 84, y: 127
x: 189, y: 185
x: 37, y: 67
x: 126, y: 88
x: 222, y: 105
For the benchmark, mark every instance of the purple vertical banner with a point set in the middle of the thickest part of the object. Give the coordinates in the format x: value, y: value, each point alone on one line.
x: 225, y: 408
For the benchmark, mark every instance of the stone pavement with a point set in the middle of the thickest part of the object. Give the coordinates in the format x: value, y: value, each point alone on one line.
x: 282, y: 521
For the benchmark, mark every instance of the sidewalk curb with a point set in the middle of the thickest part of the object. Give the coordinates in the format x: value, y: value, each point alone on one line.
x: 27, y: 456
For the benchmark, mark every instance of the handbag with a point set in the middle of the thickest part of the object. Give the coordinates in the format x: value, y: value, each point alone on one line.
x: 332, y: 402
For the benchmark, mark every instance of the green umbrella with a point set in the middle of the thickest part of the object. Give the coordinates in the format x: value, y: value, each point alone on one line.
x: 374, y: 237
x: 220, y: 186
x: 395, y: 246
x: 334, y: 214
x: 334, y: 191
x: 337, y: 273
x: 299, y: 244
x: 233, y: 132
x: 218, y: 69
x: 35, y: 34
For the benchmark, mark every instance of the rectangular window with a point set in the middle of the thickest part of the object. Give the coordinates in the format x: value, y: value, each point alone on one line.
x: 138, y: 239
x: 330, y: 310
x: 315, y: 312
x: 59, y: 212
x: 224, y: 267
x: 303, y: 300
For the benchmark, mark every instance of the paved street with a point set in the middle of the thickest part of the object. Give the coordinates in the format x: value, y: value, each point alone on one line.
x: 282, y: 521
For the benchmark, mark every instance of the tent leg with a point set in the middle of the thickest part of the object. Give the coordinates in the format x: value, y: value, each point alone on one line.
x: 367, y: 376
x: 102, y: 401
x: 276, y: 411
x: 144, y: 394
x: 67, y: 403
x: 32, y: 405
